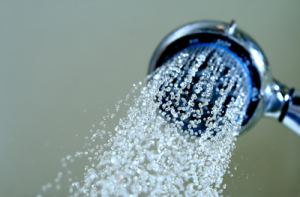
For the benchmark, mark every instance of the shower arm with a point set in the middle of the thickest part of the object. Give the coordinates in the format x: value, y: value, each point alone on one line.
x: 283, y: 104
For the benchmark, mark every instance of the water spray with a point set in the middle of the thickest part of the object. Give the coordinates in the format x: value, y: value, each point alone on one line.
x: 266, y: 96
x: 207, y: 81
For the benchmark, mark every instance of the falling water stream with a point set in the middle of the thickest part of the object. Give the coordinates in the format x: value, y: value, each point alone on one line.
x: 177, y: 135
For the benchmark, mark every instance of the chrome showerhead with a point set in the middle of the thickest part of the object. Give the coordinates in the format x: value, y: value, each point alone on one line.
x: 266, y: 95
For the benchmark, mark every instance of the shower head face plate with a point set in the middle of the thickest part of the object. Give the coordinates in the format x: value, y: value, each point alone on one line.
x: 236, y: 43
x: 216, y: 46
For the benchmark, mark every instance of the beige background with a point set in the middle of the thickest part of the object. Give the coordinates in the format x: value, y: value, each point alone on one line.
x: 58, y: 59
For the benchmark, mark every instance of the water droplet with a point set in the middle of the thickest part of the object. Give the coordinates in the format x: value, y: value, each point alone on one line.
x: 191, y: 137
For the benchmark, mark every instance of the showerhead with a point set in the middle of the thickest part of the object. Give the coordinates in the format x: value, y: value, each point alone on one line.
x: 266, y: 96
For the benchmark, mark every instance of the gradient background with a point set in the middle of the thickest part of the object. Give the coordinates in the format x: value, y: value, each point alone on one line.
x: 58, y: 59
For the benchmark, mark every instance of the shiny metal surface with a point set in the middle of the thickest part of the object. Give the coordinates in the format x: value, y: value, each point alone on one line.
x: 283, y: 104
x: 292, y: 116
x: 273, y: 96
x: 230, y: 29
x: 276, y: 95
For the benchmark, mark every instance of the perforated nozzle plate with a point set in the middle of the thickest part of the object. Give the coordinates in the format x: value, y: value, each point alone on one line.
x: 206, y: 80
